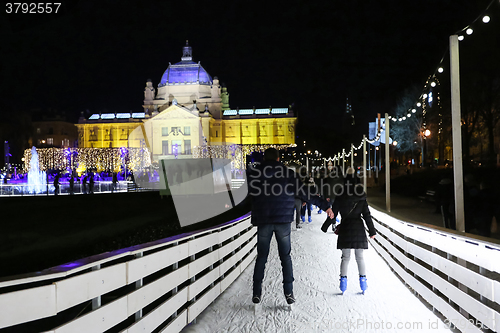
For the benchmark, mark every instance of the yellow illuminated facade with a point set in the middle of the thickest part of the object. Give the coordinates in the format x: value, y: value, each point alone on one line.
x: 190, y: 110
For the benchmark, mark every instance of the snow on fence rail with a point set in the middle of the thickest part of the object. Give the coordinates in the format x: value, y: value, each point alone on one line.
x: 456, y: 274
x: 160, y: 286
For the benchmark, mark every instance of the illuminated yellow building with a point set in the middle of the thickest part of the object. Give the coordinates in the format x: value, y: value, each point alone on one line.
x: 189, y: 110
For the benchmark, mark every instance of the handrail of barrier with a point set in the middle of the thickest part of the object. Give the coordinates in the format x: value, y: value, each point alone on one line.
x: 159, y: 286
x: 458, y: 275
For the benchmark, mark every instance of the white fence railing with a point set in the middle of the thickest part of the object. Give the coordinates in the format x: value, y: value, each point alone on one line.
x: 23, y: 189
x: 161, y: 286
x: 457, y: 275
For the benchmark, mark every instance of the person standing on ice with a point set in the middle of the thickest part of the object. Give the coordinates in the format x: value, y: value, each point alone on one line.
x: 307, y: 205
x: 272, y: 189
x: 351, y: 204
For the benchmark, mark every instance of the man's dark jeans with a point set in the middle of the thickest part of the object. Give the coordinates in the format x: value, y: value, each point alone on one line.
x: 308, y: 206
x: 298, y: 209
x: 264, y: 234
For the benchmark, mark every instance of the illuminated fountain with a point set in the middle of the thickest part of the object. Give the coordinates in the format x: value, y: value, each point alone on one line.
x: 37, y: 180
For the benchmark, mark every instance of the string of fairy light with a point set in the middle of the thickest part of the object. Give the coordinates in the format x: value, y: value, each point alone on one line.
x: 234, y: 152
x: 433, y: 79
x: 135, y: 159
x: 83, y: 159
x: 423, y: 101
x: 298, y: 156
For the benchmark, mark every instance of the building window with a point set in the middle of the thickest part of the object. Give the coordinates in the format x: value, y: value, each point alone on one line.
x: 216, y: 134
x: 51, y: 131
x: 164, y: 131
x: 93, y: 135
x: 280, y: 131
x: 164, y: 147
x: 123, y: 135
x: 187, y: 130
x: 50, y: 141
x: 187, y: 147
x: 65, y: 143
x: 107, y: 136
x: 38, y: 130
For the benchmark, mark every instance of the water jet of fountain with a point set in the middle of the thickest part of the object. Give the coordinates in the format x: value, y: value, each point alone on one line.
x: 37, y: 180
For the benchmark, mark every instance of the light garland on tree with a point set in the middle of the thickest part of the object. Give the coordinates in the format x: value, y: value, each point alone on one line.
x: 82, y: 159
x: 235, y: 152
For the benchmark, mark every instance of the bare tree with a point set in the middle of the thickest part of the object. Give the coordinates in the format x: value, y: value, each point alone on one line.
x: 490, y: 110
x: 407, y: 132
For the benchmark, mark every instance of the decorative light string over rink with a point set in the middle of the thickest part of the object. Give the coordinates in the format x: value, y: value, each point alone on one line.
x: 433, y: 80
x: 234, y: 152
x: 344, y: 155
x: 82, y: 159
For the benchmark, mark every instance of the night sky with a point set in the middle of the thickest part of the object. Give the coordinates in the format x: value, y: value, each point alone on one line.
x: 97, y: 55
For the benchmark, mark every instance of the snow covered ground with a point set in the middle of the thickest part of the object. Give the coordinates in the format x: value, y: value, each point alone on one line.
x: 387, y: 306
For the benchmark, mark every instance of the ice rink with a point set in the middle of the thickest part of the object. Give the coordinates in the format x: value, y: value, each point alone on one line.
x: 387, y: 306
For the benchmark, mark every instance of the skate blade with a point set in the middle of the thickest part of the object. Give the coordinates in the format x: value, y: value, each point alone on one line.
x: 257, y: 309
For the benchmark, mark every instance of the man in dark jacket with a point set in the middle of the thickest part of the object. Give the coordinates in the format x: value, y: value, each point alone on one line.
x: 272, y: 188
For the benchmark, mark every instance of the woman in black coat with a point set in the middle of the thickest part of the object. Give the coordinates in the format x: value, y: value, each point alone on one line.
x: 352, y: 205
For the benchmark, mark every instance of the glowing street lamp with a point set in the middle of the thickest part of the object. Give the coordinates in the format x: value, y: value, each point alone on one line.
x: 426, y: 134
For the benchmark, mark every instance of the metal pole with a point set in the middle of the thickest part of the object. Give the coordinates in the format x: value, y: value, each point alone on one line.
x: 343, y: 161
x: 352, y: 156
x: 456, y: 133
x: 96, y: 302
x: 387, y: 167
x: 364, y: 163
x: 369, y: 157
x: 138, y: 285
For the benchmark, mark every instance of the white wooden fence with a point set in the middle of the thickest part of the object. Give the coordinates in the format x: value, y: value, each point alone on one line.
x: 160, y: 286
x: 457, y: 275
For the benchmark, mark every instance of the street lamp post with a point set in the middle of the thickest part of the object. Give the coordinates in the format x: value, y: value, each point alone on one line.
x: 352, y: 156
x: 456, y: 133
x: 364, y: 163
x: 343, y: 161
x: 426, y: 134
x: 387, y: 166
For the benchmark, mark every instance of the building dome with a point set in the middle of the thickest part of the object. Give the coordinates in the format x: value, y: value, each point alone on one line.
x: 186, y: 71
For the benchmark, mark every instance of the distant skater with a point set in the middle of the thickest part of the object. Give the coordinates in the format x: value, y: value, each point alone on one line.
x: 91, y: 183
x: 71, y: 185
x: 115, y: 182
x: 56, y: 184
x: 84, y: 184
